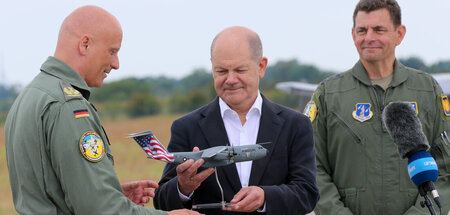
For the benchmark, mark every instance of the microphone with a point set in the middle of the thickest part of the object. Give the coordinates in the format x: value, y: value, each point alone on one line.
x: 403, y: 125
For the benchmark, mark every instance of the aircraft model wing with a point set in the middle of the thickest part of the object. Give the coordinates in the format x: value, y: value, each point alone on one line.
x: 211, y: 152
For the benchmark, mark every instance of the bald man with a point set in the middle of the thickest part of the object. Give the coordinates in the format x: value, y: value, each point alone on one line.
x: 283, y: 182
x: 58, y: 154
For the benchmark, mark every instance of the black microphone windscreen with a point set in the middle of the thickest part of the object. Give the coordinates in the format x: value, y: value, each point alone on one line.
x: 402, y: 123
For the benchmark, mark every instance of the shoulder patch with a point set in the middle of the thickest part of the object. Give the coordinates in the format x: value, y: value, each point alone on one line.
x: 445, y: 105
x: 69, y: 91
x: 310, y: 110
x: 92, y: 147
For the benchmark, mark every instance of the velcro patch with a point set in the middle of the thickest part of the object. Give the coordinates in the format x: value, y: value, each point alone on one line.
x: 92, y: 147
x: 445, y: 105
x: 310, y: 110
x: 69, y: 91
x: 362, y: 112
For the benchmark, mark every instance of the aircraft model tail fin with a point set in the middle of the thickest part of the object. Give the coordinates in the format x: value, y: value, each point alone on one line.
x: 151, y: 145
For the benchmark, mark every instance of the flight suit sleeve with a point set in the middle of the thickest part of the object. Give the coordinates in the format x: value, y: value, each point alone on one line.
x: 89, y: 181
x: 440, y: 150
x: 329, y: 202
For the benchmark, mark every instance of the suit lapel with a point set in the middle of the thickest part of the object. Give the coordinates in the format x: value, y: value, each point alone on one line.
x: 269, y: 129
x: 214, y: 131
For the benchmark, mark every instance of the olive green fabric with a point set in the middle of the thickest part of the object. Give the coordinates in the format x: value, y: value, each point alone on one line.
x: 359, y: 170
x: 48, y: 173
x: 383, y: 82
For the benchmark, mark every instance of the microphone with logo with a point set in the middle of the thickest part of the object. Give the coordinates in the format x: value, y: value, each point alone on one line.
x: 403, y: 125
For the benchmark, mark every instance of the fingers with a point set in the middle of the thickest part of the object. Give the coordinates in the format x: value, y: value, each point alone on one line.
x: 184, y: 166
x: 150, y: 193
x: 192, y: 170
x: 145, y: 200
x: 239, y: 196
x: 149, y: 184
x: 200, y: 177
x: 188, y: 179
x: 248, y: 199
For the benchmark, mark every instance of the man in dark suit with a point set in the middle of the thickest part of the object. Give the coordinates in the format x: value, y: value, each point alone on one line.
x: 283, y: 182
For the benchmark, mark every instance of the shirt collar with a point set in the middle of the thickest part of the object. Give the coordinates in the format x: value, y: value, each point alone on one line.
x: 61, y: 70
x: 400, y: 75
x: 257, y: 105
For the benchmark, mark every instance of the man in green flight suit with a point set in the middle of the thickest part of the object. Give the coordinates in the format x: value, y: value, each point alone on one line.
x: 58, y: 154
x: 359, y: 170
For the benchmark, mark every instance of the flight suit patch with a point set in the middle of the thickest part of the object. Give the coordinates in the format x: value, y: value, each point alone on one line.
x: 69, y: 91
x: 92, y: 147
x: 81, y: 113
x: 445, y: 105
x: 310, y: 110
x: 414, y: 105
x: 362, y: 112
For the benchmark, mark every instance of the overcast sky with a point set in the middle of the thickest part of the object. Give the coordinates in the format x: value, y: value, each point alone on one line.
x: 172, y: 37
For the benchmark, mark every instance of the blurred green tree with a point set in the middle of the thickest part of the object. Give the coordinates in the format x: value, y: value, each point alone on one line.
x: 142, y: 104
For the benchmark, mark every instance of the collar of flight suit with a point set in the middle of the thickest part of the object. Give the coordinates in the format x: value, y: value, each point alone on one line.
x: 61, y: 70
x: 400, y: 74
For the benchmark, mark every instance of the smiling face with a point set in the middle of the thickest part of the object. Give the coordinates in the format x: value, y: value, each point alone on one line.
x: 375, y: 36
x: 103, y: 56
x: 236, y: 72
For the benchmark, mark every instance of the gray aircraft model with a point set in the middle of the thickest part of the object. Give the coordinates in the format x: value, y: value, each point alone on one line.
x: 214, y: 156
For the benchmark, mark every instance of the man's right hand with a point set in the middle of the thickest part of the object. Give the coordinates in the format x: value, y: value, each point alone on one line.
x: 183, y: 212
x: 188, y: 178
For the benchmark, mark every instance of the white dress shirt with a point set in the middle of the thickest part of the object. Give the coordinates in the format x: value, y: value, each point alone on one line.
x: 240, y: 135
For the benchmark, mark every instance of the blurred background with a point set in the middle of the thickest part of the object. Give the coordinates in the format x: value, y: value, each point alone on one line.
x: 164, y: 61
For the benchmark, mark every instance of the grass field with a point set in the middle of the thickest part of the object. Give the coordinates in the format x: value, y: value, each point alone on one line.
x: 130, y: 161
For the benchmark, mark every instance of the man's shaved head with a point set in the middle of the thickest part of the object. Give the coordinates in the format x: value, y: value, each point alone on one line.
x: 87, y: 20
x: 85, y: 36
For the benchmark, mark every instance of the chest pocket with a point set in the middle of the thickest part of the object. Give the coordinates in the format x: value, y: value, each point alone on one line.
x: 346, y: 152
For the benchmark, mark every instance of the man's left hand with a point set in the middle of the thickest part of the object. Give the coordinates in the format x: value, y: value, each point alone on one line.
x: 248, y: 199
x: 139, y: 192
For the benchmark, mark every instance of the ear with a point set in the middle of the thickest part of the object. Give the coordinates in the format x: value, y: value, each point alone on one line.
x: 401, y: 31
x: 262, y: 66
x: 84, y: 44
x: 353, y: 34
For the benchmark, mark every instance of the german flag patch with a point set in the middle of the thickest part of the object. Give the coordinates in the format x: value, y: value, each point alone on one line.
x: 81, y: 113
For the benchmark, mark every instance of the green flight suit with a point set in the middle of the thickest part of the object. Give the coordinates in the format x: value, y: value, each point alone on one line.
x: 47, y: 128
x: 359, y: 170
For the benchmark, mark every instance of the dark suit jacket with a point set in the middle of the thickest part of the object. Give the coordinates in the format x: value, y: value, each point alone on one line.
x: 287, y: 174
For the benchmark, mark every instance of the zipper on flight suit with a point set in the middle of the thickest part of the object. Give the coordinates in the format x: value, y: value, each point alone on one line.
x: 343, y: 123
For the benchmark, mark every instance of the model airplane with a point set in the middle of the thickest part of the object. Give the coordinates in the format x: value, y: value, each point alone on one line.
x: 214, y: 156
